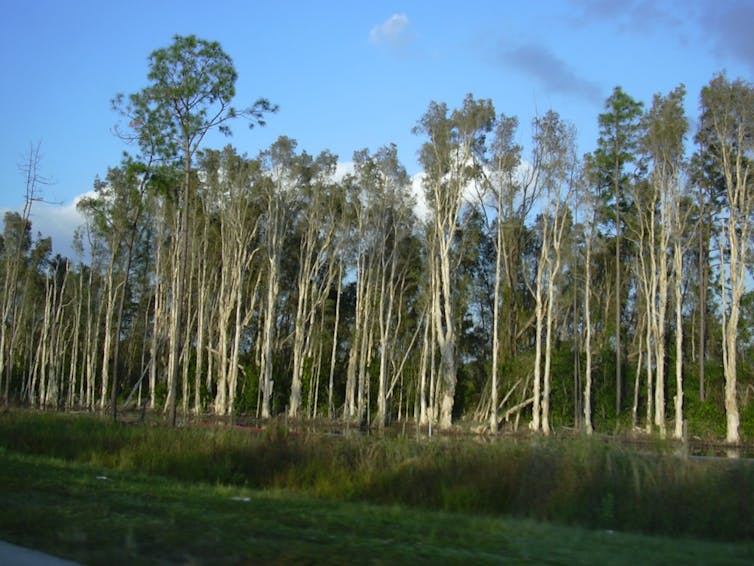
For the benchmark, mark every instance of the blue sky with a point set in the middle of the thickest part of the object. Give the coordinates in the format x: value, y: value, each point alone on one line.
x: 346, y: 74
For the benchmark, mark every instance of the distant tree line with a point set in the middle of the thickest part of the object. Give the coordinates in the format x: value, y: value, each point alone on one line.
x: 611, y: 289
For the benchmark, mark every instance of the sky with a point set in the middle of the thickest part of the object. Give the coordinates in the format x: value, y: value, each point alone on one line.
x: 346, y: 75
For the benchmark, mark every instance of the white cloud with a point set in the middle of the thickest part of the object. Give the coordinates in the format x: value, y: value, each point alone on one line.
x: 393, y: 32
x: 421, y: 210
x: 58, y: 222
x: 342, y: 169
x: 420, y: 201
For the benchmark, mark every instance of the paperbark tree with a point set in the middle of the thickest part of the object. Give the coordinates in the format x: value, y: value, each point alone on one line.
x: 384, y: 207
x: 708, y: 184
x: 728, y: 116
x: 231, y: 183
x: 115, y: 213
x: 450, y: 164
x: 319, y: 226
x: 505, y: 187
x: 586, y: 202
x: 16, y: 242
x: 286, y: 173
x: 555, y: 168
x: 665, y: 127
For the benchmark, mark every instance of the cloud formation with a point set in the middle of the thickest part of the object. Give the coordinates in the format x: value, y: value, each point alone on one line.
x: 554, y: 74
x: 724, y: 26
x: 57, y: 222
x: 633, y: 16
x: 393, y: 32
x: 728, y: 25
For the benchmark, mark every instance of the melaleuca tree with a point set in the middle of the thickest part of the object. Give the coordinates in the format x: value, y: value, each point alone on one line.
x: 727, y: 117
x: 232, y: 193
x: 661, y: 223
x: 511, y: 198
x: 285, y: 173
x: 115, y: 213
x: 449, y: 157
x: 556, y: 171
x: 318, y: 230
x: 380, y: 192
x: 16, y: 243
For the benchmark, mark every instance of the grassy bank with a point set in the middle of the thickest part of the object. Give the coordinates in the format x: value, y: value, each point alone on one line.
x: 592, y: 484
x: 95, y: 516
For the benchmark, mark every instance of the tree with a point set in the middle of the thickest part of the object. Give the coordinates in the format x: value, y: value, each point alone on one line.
x: 318, y: 227
x: 586, y: 200
x: 231, y: 189
x: 728, y: 116
x: 556, y: 171
x: 16, y: 241
x: 192, y: 85
x: 503, y: 165
x: 662, y: 231
x: 709, y: 188
x: 285, y: 174
x: 619, y: 130
x: 450, y: 164
x: 116, y: 212
x: 383, y: 207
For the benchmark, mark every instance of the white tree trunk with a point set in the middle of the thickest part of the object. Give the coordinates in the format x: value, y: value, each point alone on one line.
x: 588, y: 321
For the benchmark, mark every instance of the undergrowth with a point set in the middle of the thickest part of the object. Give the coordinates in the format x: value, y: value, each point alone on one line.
x: 577, y: 481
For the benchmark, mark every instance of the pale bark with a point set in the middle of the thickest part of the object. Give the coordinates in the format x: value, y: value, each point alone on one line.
x: 333, y: 354
x: 495, y: 330
x: 201, y: 334
x: 678, y: 275
x: 110, y: 293
x: 449, y: 156
x: 588, y: 341
x: 318, y: 261
x: 554, y: 261
x: 238, y: 229
x: 539, y: 311
x: 282, y: 190
x: 179, y: 256
x: 423, y: 366
x: 555, y: 165
x: 9, y: 323
x: 731, y: 120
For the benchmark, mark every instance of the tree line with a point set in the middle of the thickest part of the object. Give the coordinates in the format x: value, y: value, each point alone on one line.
x: 551, y: 288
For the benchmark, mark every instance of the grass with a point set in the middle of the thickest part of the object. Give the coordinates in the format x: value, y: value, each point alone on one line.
x: 594, y: 484
x: 67, y: 509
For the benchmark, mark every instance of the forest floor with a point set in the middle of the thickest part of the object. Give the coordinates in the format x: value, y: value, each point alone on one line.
x: 97, y: 515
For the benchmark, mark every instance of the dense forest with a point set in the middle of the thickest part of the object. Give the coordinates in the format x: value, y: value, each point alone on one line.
x: 542, y: 289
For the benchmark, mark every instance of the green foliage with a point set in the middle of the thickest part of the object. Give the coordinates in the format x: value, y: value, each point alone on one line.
x: 706, y: 419
x: 246, y: 403
x: 191, y: 87
x: 747, y: 419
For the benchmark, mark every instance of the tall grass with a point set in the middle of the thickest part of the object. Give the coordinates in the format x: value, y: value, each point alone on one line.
x: 592, y: 483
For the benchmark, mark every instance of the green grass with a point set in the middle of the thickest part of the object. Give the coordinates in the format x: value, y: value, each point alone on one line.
x: 595, y: 484
x: 129, y: 518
